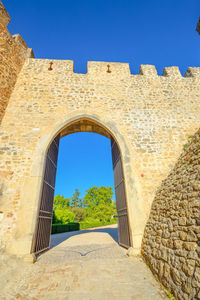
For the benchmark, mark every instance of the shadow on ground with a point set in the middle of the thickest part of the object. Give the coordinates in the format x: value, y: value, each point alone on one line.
x: 58, y: 238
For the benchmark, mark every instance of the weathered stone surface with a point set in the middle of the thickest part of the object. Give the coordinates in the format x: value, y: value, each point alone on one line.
x: 176, y: 276
x: 188, y: 267
x: 189, y: 245
x: 167, y: 271
x: 131, y: 252
x: 181, y: 207
x: 178, y: 244
x: 198, y: 295
x: 187, y: 287
x: 197, y: 274
x: 182, y: 221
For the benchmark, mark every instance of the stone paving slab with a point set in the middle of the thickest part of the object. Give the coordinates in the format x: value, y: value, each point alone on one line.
x: 83, y: 267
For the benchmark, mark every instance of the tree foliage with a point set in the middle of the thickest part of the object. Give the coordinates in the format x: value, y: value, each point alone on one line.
x: 79, y: 214
x: 75, y: 200
x: 61, y: 202
x: 64, y: 216
x: 97, y: 205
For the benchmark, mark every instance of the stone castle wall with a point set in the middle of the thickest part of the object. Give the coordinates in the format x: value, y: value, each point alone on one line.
x: 153, y: 115
x: 171, y: 243
x: 13, y: 53
x: 151, y: 118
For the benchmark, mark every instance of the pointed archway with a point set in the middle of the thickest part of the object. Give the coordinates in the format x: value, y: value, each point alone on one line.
x: 41, y: 238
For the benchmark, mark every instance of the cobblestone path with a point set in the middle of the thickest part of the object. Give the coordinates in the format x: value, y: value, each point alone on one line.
x: 86, y: 266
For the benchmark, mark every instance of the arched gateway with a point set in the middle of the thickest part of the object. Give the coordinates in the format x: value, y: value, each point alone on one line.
x: 147, y: 115
x: 41, y: 237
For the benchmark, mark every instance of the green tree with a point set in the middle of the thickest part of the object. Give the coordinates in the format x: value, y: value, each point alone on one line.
x: 61, y: 212
x: 64, y: 216
x: 94, y: 196
x: 54, y: 219
x: 79, y: 214
x: 61, y: 202
x: 99, y: 204
x: 75, y: 200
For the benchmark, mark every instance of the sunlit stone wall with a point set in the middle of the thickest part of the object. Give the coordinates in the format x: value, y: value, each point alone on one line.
x: 171, y: 243
x: 154, y: 115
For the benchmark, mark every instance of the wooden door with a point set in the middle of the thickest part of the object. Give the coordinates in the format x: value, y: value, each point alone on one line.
x: 120, y: 195
x: 41, y: 240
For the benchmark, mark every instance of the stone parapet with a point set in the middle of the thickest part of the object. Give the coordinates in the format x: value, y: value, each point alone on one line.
x: 108, y: 69
x: 49, y: 66
x: 193, y: 72
x: 172, y: 72
x: 116, y: 70
x: 148, y: 70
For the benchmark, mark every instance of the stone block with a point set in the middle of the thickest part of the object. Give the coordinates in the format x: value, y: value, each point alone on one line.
x: 148, y: 70
x: 190, y: 246
x: 108, y: 69
x: 178, y: 244
x: 173, y: 72
x: 182, y: 221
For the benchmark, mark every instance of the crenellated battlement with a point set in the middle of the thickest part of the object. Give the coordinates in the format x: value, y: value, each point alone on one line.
x: 148, y: 70
x: 171, y: 72
x: 193, y: 72
x: 108, y: 70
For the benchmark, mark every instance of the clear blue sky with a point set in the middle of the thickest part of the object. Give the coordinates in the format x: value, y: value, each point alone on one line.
x: 84, y: 161
x: 155, y: 32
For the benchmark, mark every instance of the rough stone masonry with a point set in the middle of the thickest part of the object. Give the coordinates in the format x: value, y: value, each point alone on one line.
x: 150, y: 116
x: 171, y: 243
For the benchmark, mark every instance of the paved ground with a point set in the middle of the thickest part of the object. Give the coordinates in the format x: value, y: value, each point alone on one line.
x: 86, y: 265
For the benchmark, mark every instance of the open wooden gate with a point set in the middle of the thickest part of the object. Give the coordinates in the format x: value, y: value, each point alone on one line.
x: 41, y: 240
x: 120, y: 195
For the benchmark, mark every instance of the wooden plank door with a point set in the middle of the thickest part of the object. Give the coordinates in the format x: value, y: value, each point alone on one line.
x: 120, y: 195
x: 41, y: 240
